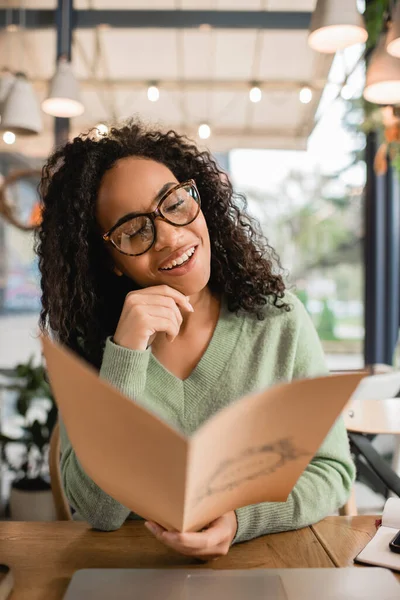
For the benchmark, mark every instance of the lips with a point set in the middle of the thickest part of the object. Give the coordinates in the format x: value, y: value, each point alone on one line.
x: 175, y: 255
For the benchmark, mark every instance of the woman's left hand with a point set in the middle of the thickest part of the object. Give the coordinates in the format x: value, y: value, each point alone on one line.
x: 210, y: 543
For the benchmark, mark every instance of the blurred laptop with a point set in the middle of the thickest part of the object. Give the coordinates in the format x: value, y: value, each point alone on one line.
x: 255, y: 584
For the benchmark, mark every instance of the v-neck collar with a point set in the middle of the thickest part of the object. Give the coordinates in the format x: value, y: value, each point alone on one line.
x: 213, y: 361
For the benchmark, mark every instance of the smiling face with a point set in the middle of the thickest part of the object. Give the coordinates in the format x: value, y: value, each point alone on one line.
x: 136, y: 185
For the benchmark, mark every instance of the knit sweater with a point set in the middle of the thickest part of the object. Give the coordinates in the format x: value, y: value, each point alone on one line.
x: 244, y: 355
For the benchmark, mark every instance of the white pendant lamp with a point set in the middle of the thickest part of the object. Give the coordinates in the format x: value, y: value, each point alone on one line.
x: 7, y: 80
x: 382, y: 84
x: 393, y: 36
x: 63, y: 99
x: 335, y: 25
x: 21, y: 113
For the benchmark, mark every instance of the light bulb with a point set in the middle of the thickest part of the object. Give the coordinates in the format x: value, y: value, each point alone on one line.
x: 102, y: 129
x: 305, y: 95
x: 255, y: 94
x: 204, y: 131
x: 153, y: 93
x: 9, y: 137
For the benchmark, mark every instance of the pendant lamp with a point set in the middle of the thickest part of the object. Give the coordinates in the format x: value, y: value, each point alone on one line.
x: 393, y: 37
x: 63, y: 99
x: 7, y: 80
x: 382, y: 84
x: 21, y: 111
x: 335, y: 25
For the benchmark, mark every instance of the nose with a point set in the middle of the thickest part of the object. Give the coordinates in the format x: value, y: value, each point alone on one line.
x: 167, y: 235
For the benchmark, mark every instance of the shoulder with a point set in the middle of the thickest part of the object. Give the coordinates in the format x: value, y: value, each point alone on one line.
x: 285, y: 323
x: 286, y: 314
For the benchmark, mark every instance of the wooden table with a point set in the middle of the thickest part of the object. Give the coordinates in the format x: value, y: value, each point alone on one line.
x: 344, y: 537
x: 44, y: 556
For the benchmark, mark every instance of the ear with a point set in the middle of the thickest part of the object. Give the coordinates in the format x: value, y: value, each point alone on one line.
x: 117, y: 272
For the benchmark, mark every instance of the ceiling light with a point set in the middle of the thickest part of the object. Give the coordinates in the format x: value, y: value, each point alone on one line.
x: 335, y: 25
x: 393, y: 36
x: 204, y: 131
x: 63, y: 99
x: 255, y: 94
x: 7, y: 80
x: 9, y: 137
x: 101, y: 129
x: 153, y: 93
x: 21, y: 111
x: 382, y: 84
x: 305, y: 95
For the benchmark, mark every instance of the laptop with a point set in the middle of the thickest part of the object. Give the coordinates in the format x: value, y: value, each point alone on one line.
x: 255, y: 584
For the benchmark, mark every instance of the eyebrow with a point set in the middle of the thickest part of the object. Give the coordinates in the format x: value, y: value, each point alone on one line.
x: 157, y: 199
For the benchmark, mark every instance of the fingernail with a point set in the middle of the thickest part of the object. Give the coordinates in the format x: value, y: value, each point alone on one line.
x: 150, y: 527
x: 190, y: 307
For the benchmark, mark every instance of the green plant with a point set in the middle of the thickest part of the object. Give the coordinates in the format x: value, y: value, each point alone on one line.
x: 326, y: 324
x: 30, y: 385
x: 384, y: 121
x: 302, y: 296
x: 375, y: 16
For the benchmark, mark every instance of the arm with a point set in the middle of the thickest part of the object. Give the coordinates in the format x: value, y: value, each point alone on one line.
x: 326, y: 483
x: 126, y: 370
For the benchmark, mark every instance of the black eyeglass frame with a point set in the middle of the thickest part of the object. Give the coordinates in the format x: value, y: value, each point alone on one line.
x: 153, y: 215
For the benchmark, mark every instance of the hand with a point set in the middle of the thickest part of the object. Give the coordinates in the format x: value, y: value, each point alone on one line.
x: 147, y: 312
x: 208, y: 544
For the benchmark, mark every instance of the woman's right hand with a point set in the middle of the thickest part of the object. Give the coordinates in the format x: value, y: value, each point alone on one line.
x: 150, y: 311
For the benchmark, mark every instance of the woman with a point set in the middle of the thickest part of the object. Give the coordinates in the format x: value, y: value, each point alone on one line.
x: 153, y: 272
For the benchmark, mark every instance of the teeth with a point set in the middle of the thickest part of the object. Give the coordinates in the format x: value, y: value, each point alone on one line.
x: 180, y: 260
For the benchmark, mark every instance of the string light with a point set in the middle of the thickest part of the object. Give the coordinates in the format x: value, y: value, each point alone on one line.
x: 153, y: 93
x: 255, y: 94
x: 9, y: 137
x: 204, y: 131
x: 305, y: 95
x: 102, y: 129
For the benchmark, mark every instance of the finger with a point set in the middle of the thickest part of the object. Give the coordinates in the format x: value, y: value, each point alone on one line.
x: 197, y: 550
x: 160, y: 316
x: 166, y: 290
x: 201, y: 553
x: 154, y: 528
x: 199, y: 541
x: 173, y: 314
x: 153, y: 300
x: 165, y: 325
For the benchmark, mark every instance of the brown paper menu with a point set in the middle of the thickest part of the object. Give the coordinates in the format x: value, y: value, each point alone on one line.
x: 252, y: 451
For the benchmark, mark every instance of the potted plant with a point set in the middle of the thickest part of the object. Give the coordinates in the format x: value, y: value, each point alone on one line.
x: 27, y: 455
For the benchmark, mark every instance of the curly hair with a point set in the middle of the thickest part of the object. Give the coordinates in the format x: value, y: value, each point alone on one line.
x: 82, y: 298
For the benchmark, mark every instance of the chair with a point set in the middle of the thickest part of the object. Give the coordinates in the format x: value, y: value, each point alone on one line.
x: 364, y: 419
x: 63, y: 510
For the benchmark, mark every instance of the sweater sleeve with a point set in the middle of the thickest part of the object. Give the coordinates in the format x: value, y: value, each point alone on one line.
x: 126, y: 370
x: 326, y: 483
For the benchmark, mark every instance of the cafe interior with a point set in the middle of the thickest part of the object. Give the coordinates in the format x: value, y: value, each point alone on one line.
x: 298, y: 104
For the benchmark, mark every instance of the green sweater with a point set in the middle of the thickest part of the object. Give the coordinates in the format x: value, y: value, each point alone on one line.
x: 244, y: 355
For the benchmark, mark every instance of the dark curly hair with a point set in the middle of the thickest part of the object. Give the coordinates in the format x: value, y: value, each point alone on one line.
x: 82, y: 298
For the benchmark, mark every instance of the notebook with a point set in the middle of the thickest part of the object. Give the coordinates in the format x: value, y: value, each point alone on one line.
x: 377, y: 551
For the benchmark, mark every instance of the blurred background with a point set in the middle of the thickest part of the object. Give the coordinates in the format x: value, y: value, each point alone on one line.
x: 277, y: 90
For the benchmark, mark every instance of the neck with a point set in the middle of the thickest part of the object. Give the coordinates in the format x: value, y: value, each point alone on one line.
x: 206, y: 306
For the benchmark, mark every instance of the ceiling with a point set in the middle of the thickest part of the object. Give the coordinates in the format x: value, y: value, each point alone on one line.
x: 203, y: 73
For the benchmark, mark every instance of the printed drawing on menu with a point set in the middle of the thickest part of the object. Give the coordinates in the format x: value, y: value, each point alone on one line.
x: 250, y: 464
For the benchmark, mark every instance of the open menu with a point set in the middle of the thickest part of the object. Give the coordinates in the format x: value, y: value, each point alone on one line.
x: 252, y: 451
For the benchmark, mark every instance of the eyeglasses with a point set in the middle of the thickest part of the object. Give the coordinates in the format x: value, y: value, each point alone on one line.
x: 135, y: 233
